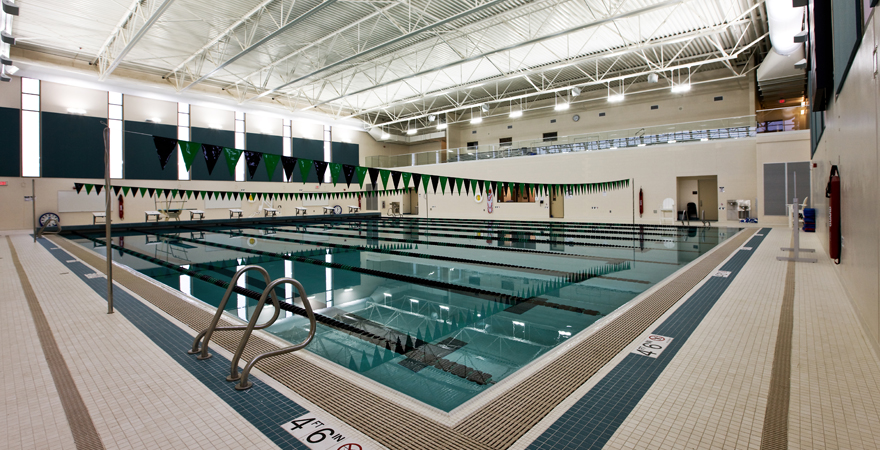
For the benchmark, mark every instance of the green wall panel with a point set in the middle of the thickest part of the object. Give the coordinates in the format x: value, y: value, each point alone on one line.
x: 141, y: 160
x: 72, y: 146
x: 222, y: 138
x: 265, y: 144
x: 309, y: 149
x: 345, y: 153
x: 10, y: 145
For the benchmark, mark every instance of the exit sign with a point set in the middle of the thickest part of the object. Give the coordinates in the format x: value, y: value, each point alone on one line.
x: 2, y: 183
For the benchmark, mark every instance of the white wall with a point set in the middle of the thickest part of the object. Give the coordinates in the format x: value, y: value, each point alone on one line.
x: 850, y: 141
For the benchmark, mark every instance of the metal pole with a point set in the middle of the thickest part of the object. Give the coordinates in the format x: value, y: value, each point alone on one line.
x: 34, y: 206
x: 108, y: 218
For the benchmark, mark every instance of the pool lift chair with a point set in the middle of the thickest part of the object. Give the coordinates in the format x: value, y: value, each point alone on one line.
x: 200, y: 344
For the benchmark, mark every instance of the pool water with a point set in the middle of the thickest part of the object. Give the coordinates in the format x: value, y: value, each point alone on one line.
x: 443, y: 309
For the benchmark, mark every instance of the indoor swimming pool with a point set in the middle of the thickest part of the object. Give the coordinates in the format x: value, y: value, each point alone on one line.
x: 441, y: 309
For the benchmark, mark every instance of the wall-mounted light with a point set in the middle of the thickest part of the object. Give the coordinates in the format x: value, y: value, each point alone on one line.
x: 11, y: 70
x: 615, y: 98
x: 678, y: 88
x: 561, y: 106
x: 516, y: 113
x: 7, y: 38
x: 215, y: 126
x: 477, y: 120
x: 76, y: 111
x: 10, y: 8
x: 441, y: 126
x: 385, y: 135
x: 412, y: 131
x: 154, y: 120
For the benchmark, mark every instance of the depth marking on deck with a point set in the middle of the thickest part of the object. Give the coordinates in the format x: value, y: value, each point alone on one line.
x: 596, y: 416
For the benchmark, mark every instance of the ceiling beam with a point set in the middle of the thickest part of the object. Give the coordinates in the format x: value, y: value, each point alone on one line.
x: 282, y: 29
x: 111, y: 54
x: 403, y: 37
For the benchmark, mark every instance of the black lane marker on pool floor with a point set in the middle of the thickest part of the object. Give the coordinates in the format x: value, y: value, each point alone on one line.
x: 399, y: 346
x: 596, y: 416
x: 264, y: 407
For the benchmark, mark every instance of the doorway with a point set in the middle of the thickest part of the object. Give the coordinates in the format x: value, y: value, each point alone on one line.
x: 557, y: 204
x: 414, y: 202
x: 702, y: 191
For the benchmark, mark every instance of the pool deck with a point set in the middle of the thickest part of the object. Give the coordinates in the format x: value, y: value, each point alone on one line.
x: 770, y: 355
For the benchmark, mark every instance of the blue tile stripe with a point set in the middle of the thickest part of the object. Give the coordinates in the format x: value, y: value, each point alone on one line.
x: 596, y: 416
x: 263, y: 406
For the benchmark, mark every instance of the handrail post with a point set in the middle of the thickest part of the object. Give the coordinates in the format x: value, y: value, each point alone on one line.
x: 208, y: 332
x: 244, y: 383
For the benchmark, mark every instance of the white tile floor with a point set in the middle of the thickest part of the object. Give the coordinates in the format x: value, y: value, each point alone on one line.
x: 712, y: 395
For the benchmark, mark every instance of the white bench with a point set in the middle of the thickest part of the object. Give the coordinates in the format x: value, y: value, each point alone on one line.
x: 353, y: 209
x: 95, y: 217
x: 148, y: 214
x: 196, y: 212
x: 267, y: 211
x: 329, y: 210
x: 233, y: 212
x: 300, y: 209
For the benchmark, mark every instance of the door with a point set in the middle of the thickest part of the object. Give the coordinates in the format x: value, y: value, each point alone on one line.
x: 414, y: 201
x: 708, y: 195
x: 557, y: 205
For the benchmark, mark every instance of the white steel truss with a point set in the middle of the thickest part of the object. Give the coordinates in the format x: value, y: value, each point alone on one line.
x: 141, y: 15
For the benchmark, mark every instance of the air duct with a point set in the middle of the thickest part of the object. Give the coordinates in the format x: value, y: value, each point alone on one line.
x: 785, y: 22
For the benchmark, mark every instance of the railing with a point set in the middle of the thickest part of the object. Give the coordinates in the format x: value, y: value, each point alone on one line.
x: 727, y: 128
x: 200, y: 344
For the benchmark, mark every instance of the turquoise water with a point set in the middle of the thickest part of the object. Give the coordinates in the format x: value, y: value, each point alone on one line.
x: 457, y: 305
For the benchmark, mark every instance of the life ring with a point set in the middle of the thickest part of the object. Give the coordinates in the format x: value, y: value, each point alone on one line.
x: 641, y: 203
x: 121, y: 207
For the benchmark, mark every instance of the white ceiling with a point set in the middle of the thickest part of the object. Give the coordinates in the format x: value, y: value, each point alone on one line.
x: 388, y: 62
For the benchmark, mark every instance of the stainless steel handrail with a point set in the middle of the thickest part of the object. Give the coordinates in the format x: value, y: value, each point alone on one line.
x: 244, y: 383
x: 220, y: 308
x: 48, y: 223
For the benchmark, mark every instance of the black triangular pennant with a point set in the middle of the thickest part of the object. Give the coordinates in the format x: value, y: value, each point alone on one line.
x: 253, y: 161
x: 480, y: 183
x: 320, y: 169
x: 212, y: 154
x: 435, y: 179
x: 166, y: 192
x: 116, y: 190
x: 348, y: 171
x: 151, y: 191
x: 98, y: 188
x: 288, y: 163
x: 416, y: 180
x: 374, y: 177
x: 78, y: 187
x: 164, y: 148
x: 467, y: 186
x: 395, y: 177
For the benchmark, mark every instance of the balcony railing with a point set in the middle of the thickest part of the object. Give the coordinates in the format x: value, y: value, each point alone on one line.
x: 707, y: 130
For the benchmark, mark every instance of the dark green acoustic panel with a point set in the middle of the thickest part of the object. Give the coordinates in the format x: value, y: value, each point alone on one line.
x: 141, y: 160
x: 308, y: 149
x: 10, y: 143
x: 222, y: 138
x: 265, y: 144
x: 345, y: 153
x: 72, y: 146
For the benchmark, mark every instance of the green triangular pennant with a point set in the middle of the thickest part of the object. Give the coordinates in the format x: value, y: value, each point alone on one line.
x: 189, y: 150
x: 89, y: 188
x: 271, y: 163
x: 443, y: 181
x: 143, y: 191
x: 361, y: 174
x: 232, y: 157
x: 384, y: 173
x: 125, y: 190
x: 425, y: 179
x: 458, y: 183
x: 305, y: 166
x: 335, y: 170
x: 406, y: 177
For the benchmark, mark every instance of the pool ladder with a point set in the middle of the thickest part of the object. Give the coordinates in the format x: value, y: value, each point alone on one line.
x: 200, y: 344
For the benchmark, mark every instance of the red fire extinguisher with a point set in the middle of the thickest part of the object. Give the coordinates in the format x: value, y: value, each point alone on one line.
x: 832, y: 192
x: 121, y: 204
x: 641, y: 203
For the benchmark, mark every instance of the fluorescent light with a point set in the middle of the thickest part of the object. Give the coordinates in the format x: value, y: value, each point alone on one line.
x: 154, y: 120
x: 704, y: 139
x: 564, y: 333
x: 413, y: 300
x: 671, y: 142
x: 515, y: 114
x: 477, y: 85
x: 641, y: 145
x: 477, y: 120
x: 385, y: 135
x: 349, y: 290
x: 615, y: 98
x: 76, y: 111
x: 441, y: 126
x: 519, y: 323
x: 387, y: 294
x: 561, y: 107
x: 412, y: 131
x: 681, y: 88
x: 613, y: 148
x: 444, y: 307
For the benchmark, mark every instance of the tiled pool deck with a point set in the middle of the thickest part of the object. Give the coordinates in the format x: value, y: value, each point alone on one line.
x: 708, y: 389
